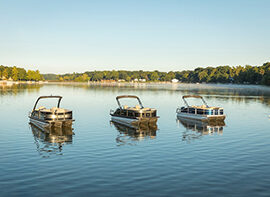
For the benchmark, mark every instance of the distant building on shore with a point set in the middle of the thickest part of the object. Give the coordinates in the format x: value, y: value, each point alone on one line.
x: 175, y: 80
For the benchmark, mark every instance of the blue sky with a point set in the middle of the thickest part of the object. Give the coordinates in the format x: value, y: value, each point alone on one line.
x: 59, y: 36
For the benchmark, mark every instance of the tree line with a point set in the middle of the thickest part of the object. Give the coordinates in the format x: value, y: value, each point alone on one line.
x: 19, y: 74
x: 221, y: 74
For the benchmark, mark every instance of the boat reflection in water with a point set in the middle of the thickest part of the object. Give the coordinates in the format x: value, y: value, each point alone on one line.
x: 195, y: 129
x: 129, y: 135
x: 50, y: 142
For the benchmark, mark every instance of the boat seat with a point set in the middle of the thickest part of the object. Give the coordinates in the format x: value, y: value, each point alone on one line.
x: 125, y: 106
x: 137, y: 107
x: 58, y: 110
x: 41, y: 108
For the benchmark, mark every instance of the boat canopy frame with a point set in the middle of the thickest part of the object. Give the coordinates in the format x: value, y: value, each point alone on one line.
x: 128, y: 96
x: 193, y: 96
x: 44, y: 97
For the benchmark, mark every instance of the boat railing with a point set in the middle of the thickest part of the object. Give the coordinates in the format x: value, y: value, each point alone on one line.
x: 196, y: 111
x: 111, y: 111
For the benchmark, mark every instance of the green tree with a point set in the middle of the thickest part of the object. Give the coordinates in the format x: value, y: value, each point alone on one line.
x: 37, y: 76
x: 135, y: 75
x: 85, y: 77
x: 123, y: 75
x: 22, y: 74
x: 5, y: 74
x: 169, y: 76
x: 203, y: 76
x: 14, y: 74
x: 114, y: 75
x: 154, y: 76
x: 97, y: 76
x: 30, y: 75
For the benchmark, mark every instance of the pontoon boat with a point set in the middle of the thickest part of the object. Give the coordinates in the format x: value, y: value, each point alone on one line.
x: 137, y: 115
x: 55, y: 117
x: 203, y: 112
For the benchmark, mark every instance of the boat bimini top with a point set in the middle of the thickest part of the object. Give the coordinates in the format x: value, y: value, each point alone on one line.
x: 195, y: 96
x: 140, y: 106
x: 45, y: 97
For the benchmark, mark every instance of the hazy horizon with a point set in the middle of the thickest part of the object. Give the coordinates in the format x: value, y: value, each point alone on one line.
x: 65, y: 36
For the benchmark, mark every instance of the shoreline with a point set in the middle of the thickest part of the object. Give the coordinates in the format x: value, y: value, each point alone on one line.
x: 117, y: 83
x: 7, y: 82
x: 187, y: 88
x: 152, y: 83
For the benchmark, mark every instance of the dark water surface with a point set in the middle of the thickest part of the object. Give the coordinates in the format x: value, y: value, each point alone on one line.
x: 101, y: 159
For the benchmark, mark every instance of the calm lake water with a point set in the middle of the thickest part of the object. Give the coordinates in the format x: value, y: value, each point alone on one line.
x: 180, y: 158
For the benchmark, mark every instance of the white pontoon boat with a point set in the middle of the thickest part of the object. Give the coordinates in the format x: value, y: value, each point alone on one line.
x: 202, y: 112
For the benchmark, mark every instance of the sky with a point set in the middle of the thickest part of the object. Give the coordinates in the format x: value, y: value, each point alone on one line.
x: 64, y: 36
